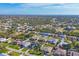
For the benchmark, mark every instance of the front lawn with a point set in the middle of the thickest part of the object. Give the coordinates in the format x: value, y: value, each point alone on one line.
x: 4, y: 44
x: 24, y: 50
x: 3, y: 50
x: 14, y: 54
x: 36, y: 52
x: 15, y: 46
x: 49, y: 44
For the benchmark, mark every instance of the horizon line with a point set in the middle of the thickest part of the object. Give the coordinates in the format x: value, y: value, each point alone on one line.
x: 32, y: 15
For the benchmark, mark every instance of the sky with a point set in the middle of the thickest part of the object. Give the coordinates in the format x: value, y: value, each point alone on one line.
x: 39, y: 9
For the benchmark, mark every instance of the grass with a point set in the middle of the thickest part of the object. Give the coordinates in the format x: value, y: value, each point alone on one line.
x: 15, y: 46
x: 68, y: 41
x: 24, y: 49
x: 14, y: 54
x: 36, y: 52
x: 4, y: 44
x: 3, y: 50
x: 51, y: 45
x: 76, y: 31
x: 49, y: 37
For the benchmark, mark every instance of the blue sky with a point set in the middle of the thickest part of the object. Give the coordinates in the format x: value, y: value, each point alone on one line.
x: 39, y: 9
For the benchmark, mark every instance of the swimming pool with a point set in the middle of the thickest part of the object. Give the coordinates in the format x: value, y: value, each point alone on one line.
x: 2, y: 55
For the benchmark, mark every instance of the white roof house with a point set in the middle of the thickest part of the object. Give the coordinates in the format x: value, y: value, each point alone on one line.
x: 3, y: 39
x: 26, y: 44
x: 48, y: 49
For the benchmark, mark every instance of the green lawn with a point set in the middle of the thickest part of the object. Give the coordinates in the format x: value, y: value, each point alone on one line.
x: 14, y: 54
x: 15, y: 46
x: 36, y: 52
x: 3, y: 50
x: 2, y: 47
x: 4, y: 44
x: 24, y: 49
x: 51, y: 45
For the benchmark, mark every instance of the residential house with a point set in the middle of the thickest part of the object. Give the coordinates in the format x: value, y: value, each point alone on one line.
x: 47, y: 50
x: 59, y: 52
x: 26, y: 44
x: 53, y: 41
x: 3, y: 39
x: 73, y: 52
x: 33, y: 44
